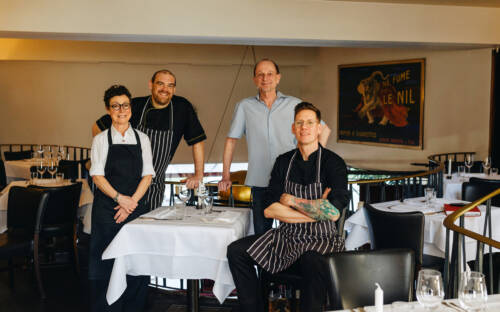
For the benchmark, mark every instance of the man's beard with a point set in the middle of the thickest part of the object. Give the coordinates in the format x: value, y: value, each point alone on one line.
x: 160, y: 102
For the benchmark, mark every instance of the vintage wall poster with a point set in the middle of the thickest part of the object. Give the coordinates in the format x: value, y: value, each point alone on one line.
x: 382, y: 103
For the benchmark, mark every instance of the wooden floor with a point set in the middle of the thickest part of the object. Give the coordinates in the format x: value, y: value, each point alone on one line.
x: 65, y: 292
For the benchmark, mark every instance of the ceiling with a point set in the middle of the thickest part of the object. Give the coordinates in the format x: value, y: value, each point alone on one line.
x: 472, y: 3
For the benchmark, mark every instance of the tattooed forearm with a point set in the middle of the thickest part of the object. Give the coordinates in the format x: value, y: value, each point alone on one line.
x: 319, y: 209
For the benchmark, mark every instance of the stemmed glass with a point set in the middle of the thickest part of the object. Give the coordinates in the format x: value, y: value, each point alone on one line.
x: 472, y: 293
x: 183, y: 193
x: 52, y: 168
x: 40, y: 169
x: 40, y: 151
x: 469, y: 161
x: 430, y: 291
x: 487, y: 165
x: 60, y: 152
x: 430, y: 195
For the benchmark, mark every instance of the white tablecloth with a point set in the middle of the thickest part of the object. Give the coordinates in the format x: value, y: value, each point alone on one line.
x: 434, y: 233
x: 493, y: 305
x: 19, y: 169
x: 86, y: 199
x: 452, y: 188
x: 193, y: 248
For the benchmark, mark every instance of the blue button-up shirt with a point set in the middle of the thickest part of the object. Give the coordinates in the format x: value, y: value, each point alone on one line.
x: 268, y: 133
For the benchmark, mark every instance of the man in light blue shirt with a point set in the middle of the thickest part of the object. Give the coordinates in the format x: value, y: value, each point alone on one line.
x: 266, y: 121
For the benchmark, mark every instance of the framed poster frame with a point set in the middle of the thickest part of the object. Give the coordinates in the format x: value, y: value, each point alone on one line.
x: 382, y: 103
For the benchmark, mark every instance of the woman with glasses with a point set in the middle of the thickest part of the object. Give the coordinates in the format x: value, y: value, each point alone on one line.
x: 122, y: 170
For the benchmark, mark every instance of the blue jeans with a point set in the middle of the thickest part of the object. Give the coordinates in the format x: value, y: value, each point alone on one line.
x: 260, y: 223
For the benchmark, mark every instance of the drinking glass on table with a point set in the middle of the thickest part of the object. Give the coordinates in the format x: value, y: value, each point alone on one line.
x: 430, y: 291
x: 494, y: 171
x: 461, y: 172
x: 208, y: 202
x: 40, y: 168
x: 487, y: 165
x: 472, y: 293
x: 52, y: 168
x: 430, y: 195
x: 182, y: 193
x: 469, y: 161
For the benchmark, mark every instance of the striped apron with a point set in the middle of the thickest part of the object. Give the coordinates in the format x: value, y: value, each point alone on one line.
x: 161, y: 144
x: 278, y: 249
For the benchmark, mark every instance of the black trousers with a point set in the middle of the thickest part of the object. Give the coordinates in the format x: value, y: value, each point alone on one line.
x: 311, y: 266
x: 132, y: 300
x: 261, y: 224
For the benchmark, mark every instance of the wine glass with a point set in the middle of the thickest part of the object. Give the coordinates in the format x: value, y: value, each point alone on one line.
x: 60, y: 153
x: 40, y: 169
x: 472, y: 293
x: 52, y: 168
x: 430, y: 291
x: 430, y: 195
x: 40, y: 151
x: 487, y: 165
x: 182, y: 192
x: 469, y: 161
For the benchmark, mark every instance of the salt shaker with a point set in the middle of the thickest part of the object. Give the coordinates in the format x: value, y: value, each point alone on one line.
x: 379, y: 298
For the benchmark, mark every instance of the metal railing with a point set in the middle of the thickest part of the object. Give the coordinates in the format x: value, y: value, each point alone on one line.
x: 71, y: 152
x: 457, y: 263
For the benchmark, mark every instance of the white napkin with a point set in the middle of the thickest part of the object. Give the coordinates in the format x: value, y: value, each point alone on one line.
x: 161, y: 213
x: 227, y: 216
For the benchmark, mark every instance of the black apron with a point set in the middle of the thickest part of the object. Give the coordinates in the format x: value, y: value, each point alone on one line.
x: 161, y: 145
x: 278, y: 249
x: 123, y: 170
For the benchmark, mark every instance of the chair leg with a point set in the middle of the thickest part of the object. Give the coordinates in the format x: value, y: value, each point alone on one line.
x: 36, y: 261
x: 11, y: 273
x: 75, y: 252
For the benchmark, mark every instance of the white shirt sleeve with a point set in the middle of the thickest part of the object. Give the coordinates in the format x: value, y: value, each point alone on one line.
x: 99, y: 154
x: 147, y: 156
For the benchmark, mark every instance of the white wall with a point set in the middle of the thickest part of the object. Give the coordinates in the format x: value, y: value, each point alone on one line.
x: 51, y: 91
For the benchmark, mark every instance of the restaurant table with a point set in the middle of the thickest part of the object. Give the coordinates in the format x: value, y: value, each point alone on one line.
x: 434, y: 232
x: 452, y: 188
x: 193, y: 248
x: 84, y: 209
x: 19, y: 169
x: 449, y: 305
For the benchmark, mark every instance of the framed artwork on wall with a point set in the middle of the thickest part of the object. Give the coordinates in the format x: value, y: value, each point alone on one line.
x: 382, y: 103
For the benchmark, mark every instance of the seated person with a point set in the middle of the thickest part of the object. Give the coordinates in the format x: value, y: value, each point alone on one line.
x: 307, y: 186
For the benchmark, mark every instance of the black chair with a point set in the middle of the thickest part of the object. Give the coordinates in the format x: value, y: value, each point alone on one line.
x: 289, y: 278
x: 69, y: 168
x: 3, y: 176
x: 23, y: 213
x: 397, y: 230
x: 477, y: 188
x: 354, y: 274
x: 17, y: 155
x: 59, y: 222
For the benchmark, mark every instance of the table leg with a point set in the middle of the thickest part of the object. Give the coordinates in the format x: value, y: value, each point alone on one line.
x: 193, y: 295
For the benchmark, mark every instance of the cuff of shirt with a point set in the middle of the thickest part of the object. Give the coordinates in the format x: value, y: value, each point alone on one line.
x: 148, y: 171
x: 197, y: 139
x: 96, y: 170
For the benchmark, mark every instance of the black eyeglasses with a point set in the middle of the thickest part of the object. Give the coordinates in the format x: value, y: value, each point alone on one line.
x: 124, y: 106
